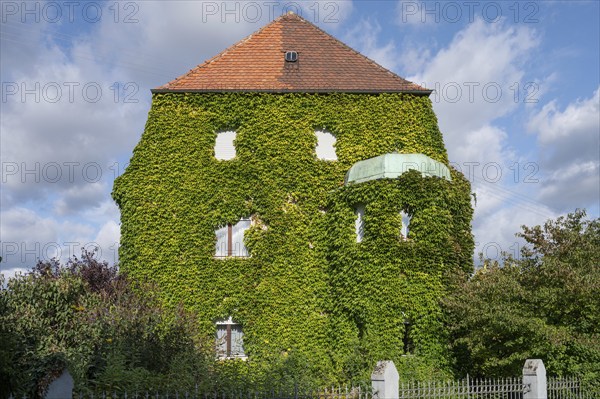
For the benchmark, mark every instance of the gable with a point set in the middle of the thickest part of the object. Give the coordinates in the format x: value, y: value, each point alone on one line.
x: 323, y: 64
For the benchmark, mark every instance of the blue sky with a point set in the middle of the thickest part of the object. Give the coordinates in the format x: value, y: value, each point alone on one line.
x: 517, y: 98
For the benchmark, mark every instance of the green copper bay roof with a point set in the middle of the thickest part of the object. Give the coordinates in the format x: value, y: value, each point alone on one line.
x: 394, y: 165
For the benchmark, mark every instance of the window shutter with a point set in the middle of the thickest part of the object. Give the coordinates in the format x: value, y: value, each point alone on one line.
x: 221, y: 248
x: 238, y: 238
x: 221, y: 340
x: 237, y: 340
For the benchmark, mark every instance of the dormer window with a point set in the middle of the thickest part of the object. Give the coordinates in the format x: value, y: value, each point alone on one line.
x: 230, y: 340
x: 291, y: 56
x: 230, y: 240
x: 225, y: 146
x: 325, y: 146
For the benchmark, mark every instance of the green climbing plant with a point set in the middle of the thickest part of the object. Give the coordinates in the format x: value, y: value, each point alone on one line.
x: 308, y: 289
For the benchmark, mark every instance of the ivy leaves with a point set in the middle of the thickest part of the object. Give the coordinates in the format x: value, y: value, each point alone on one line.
x: 292, y: 291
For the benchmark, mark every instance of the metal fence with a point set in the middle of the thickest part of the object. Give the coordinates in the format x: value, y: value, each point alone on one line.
x: 481, y: 388
x: 489, y: 388
x: 484, y: 388
x: 569, y: 388
x: 345, y: 392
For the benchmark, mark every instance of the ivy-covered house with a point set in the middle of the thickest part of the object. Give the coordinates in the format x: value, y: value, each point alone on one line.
x: 298, y: 197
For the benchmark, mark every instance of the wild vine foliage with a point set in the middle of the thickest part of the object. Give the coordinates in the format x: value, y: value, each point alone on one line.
x: 308, y: 287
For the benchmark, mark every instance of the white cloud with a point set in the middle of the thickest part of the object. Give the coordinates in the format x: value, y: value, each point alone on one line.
x: 414, y: 58
x: 105, y: 211
x: 473, y: 76
x: 77, y: 198
x: 108, y: 238
x: 21, y: 226
x: 27, y: 236
x: 12, y: 272
x: 495, y: 233
x: 577, y: 186
x: 364, y: 37
x: 20, y: 46
x: 578, y: 123
x: 569, y: 142
x: 483, y: 145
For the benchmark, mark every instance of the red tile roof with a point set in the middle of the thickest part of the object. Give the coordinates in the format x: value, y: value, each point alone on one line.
x: 257, y: 63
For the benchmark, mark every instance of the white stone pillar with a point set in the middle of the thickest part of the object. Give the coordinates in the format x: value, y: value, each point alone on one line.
x: 61, y: 388
x: 384, y: 380
x: 534, y: 380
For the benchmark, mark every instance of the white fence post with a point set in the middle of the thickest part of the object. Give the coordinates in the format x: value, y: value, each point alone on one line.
x: 534, y: 380
x: 384, y: 380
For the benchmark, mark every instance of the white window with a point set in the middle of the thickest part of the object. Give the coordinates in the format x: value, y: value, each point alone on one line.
x: 325, y: 146
x: 405, y: 222
x: 359, y: 224
x: 230, y: 240
x: 230, y: 340
x: 224, y: 145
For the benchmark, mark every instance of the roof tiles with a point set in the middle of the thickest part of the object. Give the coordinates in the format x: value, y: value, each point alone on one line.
x: 257, y: 63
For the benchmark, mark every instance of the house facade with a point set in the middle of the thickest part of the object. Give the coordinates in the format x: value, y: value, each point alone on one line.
x: 298, y: 197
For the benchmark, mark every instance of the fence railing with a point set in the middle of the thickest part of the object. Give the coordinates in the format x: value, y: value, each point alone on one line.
x: 345, y: 392
x: 480, y: 388
x: 484, y: 388
x: 568, y: 388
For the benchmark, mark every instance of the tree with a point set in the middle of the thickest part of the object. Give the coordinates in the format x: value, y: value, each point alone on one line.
x: 545, y: 305
x: 88, y: 317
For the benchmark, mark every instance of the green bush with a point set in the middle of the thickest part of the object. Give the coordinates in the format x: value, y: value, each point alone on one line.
x: 545, y: 305
x: 86, y: 317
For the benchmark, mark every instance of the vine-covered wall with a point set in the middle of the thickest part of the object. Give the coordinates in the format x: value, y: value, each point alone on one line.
x: 308, y: 288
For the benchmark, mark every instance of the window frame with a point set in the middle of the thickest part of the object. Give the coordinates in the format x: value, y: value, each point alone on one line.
x: 228, y: 353
x: 244, y: 253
